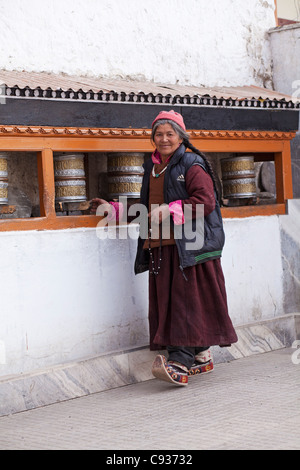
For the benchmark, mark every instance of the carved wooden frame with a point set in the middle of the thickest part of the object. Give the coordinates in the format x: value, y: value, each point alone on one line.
x: 265, y: 145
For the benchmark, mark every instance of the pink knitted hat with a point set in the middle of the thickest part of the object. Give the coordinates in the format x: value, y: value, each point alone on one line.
x: 172, y: 116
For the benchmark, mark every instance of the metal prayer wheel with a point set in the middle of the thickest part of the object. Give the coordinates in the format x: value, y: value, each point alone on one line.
x: 125, y: 174
x: 70, y: 181
x: 3, y: 179
x: 238, y: 177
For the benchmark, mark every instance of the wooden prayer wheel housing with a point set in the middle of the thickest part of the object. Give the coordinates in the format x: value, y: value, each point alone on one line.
x: 238, y: 177
x: 70, y: 181
x: 3, y: 179
x: 125, y: 174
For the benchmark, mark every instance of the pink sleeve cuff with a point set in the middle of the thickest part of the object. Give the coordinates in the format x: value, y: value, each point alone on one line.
x: 116, y: 213
x: 177, y: 212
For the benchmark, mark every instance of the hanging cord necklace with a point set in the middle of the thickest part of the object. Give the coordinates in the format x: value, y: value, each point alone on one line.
x: 153, y: 271
x: 156, y: 175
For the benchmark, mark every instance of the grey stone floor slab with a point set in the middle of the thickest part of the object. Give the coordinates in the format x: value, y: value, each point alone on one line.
x: 249, y: 403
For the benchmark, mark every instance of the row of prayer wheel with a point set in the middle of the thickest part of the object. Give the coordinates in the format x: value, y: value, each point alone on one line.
x: 125, y: 175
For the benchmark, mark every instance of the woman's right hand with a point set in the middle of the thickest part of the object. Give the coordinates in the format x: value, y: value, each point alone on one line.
x: 96, y: 202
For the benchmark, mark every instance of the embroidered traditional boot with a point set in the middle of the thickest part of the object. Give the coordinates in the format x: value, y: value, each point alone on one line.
x: 203, y: 363
x: 170, y: 371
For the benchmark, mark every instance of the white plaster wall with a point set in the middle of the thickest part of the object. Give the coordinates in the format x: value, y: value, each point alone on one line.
x: 189, y: 42
x: 290, y: 243
x: 252, y: 265
x: 285, y: 48
x: 66, y: 295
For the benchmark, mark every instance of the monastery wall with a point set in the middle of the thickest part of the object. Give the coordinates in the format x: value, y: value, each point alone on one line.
x: 174, y: 41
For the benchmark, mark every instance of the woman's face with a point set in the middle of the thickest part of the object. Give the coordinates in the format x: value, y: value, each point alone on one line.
x: 166, y: 140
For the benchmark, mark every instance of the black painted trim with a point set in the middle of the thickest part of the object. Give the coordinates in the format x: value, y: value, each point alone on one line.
x: 41, y: 112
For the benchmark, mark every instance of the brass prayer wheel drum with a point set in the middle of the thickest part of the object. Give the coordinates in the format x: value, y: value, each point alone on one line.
x: 238, y: 177
x: 129, y: 186
x: 3, y: 179
x: 70, y: 181
x: 125, y: 174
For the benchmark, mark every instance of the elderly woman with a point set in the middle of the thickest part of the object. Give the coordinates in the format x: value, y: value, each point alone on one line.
x: 187, y: 297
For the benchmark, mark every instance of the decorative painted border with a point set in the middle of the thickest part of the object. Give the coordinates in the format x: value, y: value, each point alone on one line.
x: 112, y: 96
x: 102, y: 132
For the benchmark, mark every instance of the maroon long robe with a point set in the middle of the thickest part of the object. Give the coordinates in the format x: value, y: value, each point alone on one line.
x: 192, y: 312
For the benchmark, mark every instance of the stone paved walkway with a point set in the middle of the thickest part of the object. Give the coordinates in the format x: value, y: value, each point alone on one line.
x: 250, y: 403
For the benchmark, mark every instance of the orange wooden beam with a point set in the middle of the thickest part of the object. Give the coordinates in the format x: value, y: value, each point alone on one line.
x: 22, y: 138
x: 251, y: 211
x: 236, y: 146
x: 283, y: 171
x: 46, y: 183
x: 91, y: 221
x: 36, y: 144
x: 74, y: 144
x: 49, y: 223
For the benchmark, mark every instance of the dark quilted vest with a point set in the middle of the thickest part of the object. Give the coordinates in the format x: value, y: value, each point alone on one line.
x: 174, y: 189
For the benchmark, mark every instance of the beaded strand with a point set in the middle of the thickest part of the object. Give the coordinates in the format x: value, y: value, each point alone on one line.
x: 153, y: 271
